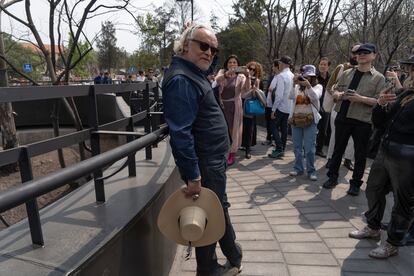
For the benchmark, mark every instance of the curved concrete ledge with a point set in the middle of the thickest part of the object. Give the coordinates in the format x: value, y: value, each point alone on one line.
x: 119, y: 237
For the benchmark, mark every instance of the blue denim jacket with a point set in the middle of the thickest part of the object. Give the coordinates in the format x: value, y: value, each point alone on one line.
x: 196, y: 122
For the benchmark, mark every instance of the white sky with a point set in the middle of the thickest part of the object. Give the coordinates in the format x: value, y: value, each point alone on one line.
x: 123, y: 21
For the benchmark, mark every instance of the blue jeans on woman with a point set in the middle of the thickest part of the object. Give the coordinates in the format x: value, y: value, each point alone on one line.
x: 304, y: 138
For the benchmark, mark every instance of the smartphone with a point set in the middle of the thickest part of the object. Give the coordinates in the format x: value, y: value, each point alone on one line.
x: 350, y: 92
x: 240, y: 69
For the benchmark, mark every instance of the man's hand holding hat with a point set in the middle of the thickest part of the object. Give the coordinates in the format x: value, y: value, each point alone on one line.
x: 193, y: 187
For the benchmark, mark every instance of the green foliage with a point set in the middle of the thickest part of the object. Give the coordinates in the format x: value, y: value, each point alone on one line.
x: 158, y: 33
x: 242, y: 40
x: 106, y: 43
x: 19, y: 55
x: 142, y: 59
x: 83, y: 68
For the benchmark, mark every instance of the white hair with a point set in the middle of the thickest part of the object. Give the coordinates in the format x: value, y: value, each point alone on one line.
x: 187, y: 35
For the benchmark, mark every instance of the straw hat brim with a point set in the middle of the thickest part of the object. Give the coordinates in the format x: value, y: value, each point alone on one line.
x: 168, y: 218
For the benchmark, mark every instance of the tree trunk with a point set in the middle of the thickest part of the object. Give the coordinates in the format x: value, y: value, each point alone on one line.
x: 8, y: 128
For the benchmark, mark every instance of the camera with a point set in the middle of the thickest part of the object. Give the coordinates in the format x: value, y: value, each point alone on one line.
x: 252, y: 80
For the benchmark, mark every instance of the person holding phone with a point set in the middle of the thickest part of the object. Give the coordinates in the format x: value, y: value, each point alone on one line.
x: 392, y: 170
x: 233, y: 81
x: 249, y: 121
x: 356, y: 93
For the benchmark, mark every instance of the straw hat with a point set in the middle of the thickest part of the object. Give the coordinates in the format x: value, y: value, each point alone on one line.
x: 184, y: 220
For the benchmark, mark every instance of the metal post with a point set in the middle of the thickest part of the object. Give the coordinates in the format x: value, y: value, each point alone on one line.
x: 148, y: 150
x: 132, y: 171
x: 32, y: 209
x: 192, y: 11
x: 155, y: 120
x: 95, y: 144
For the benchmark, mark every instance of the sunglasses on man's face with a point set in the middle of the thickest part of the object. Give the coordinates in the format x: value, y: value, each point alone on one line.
x: 205, y: 46
x: 361, y: 53
x: 252, y: 69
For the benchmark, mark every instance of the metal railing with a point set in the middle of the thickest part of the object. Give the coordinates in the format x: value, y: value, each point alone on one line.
x: 30, y: 189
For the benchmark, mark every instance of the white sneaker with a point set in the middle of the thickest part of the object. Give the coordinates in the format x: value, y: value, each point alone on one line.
x: 295, y: 173
x: 313, y: 177
x: 384, y: 251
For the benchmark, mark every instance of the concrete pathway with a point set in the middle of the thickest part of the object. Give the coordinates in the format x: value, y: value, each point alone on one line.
x: 291, y: 226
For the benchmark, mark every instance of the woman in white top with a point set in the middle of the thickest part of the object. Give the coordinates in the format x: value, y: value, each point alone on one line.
x: 304, y: 117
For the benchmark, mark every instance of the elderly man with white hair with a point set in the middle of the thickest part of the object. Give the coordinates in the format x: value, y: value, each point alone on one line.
x: 199, y: 136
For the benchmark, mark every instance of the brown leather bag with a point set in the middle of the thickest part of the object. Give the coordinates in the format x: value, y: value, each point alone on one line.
x: 301, y: 120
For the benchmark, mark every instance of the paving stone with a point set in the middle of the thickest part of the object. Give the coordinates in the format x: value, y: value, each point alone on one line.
x: 298, y: 192
x: 296, y: 198
x: 300, y: 270
x: 335, y: 233
x: 262, y: 256
x: 313, y: 210
x: 277, y: 206
x: 253, y: 236
x: 370, y: 265
x: 242, y: 205
x: 324, y: 216
x: 310, y: 259
x: 310, y: 203
x: 245, y: 198
x: 348, y: 243
x: 259, y: 245
x: 371, y: 274
x: 331, y: 224
x: 267, y: 269
x: 243, y: 227
x: 249, y: 219
x: 236, y: 194
x: 243, y: 212
x: 287, y: 220
x: 298, y: 228
x: 351, y: 253
x: 262, y: 191
x: 308, y: 247
x: 298, y: 237
x: 281, y: 213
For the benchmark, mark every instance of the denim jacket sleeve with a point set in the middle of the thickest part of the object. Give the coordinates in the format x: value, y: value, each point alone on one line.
x: 181, y: 102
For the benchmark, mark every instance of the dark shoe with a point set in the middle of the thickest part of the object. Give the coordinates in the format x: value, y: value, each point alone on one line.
x: 328, y: 164
x: 248, y: 155
x: 348, y: 164
x: 320, y: 153
x: 330, y: 183
x: 231, y: 268
x: 276, y: 154
x: 353, y: 190
x: 365, y: 233
x: 266, y: 143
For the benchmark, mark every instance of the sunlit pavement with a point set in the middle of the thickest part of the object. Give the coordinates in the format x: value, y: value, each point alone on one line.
x: 292, y: 226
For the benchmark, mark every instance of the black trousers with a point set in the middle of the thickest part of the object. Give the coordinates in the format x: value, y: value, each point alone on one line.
x: 360, y: 132
x: 213, y: 176
x: 398, y: 165
x: 248, y: 136
x: 378, y: 186
x: 268, y: 112
x: 280, y: 123
x: 322, y: 130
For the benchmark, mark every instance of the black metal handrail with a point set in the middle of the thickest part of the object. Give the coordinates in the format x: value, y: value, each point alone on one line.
x: 20, y: 194
x: 30, y: 189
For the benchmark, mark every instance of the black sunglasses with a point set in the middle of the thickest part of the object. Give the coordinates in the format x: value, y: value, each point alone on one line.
x: 364, y: 52
x: 205, y: 46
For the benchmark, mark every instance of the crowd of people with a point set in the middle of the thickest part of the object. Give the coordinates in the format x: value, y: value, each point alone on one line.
x: 148, y: 75
x: 209, y: 124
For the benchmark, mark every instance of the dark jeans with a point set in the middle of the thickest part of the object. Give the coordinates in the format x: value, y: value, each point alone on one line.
x: 399, y: 164
x: 280, y: 123
x: 378, y: 186
x: 268, y: 111
x: 213, y: 176
x: 322, y: 130
x: 360, y: 133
